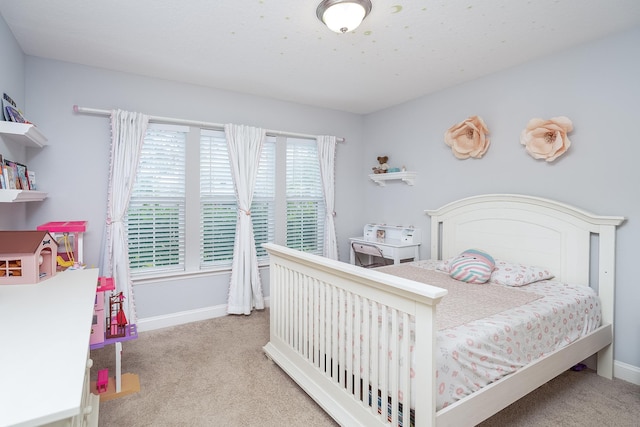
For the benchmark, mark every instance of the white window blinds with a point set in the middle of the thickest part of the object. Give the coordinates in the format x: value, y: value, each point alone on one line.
x: 264, y: 198
x: 305, y: 201
x: 156, y: 217
x: 218, y: 200
x: 168, y: 174
x: 218, y: 208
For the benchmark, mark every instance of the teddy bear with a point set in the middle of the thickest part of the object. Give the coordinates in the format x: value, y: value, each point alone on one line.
x: 382, y: 165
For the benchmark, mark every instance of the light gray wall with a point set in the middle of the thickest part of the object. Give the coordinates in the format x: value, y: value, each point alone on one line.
x: 73, y: 168
x: 12, y: 216
x: 596, y: 86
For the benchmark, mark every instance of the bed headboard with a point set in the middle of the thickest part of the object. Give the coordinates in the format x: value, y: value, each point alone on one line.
x: 529, y: 230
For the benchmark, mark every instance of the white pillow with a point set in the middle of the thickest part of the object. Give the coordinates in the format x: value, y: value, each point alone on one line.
x: 513, y: 274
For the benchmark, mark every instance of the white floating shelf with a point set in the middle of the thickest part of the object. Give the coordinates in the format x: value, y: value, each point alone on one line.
x: 22, y: 133
x: 382, y: 178
x: 10, y: 196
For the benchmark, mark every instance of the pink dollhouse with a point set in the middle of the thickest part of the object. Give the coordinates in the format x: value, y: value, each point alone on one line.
x: 27, y: 256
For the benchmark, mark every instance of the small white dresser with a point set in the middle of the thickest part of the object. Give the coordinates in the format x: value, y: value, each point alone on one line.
x: 44, y: 351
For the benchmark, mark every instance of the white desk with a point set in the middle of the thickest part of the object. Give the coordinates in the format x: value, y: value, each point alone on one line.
x: 393, y: 249
x: 44, y: 349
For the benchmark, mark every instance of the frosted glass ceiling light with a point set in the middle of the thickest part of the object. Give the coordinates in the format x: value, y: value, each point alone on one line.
x: 343, y: 15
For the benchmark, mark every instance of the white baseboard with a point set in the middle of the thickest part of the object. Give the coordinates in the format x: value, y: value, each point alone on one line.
x: 182, y: 317
x: 626, y: 372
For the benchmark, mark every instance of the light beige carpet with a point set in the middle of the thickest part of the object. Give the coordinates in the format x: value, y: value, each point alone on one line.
x: 214, y: 373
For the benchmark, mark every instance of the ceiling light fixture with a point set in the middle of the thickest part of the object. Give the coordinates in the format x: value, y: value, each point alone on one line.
x: 343, y: 15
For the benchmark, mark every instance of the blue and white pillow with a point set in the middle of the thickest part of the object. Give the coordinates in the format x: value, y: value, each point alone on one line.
x: 472, y: 266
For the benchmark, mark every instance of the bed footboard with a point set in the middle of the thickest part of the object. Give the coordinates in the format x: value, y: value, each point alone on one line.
x: 343, y: 334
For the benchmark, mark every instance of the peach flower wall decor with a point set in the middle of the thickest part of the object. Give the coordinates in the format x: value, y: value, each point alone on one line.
x: 468, y: 138
x: 547, y: 139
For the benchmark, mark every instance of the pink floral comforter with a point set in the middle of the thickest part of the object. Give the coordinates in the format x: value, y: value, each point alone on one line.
x: 473, y: 355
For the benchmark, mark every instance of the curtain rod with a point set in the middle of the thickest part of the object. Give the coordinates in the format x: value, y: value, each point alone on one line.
x: 208, y: 125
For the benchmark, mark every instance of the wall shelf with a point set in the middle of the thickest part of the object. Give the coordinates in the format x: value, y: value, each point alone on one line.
x: 9, y: 196
x: 382, y: 178
x: 26, y: 135
x: 22, y: 133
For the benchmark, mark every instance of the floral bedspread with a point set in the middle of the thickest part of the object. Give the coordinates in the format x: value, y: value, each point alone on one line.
x: 477, y: 353
x: 473, y: 355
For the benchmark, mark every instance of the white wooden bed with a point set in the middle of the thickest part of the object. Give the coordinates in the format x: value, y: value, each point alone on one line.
x: 313, y: 316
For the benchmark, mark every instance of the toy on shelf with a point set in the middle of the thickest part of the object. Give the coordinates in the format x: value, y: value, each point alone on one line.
x: 26, y: 257
x: 69, y: 235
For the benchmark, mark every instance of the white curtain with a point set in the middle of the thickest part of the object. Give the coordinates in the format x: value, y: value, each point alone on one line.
x: 127, y: 135
x: 327, y: 155
x: 245, y: 289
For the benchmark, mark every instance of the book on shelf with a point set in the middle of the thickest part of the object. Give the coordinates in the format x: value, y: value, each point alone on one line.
x: 9, y: 178
x: 10, y: 110
x: 16, y: 175
x: 31, y: 176
x: 22, y: 176
x: 15, y: 178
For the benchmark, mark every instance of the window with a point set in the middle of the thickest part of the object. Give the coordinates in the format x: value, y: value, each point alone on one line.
x: 218, y: 215
x: 156, y: 215
x: 218, y: 209
x: 264, y: 198
x: 305, y: 201
x: 183, y: 212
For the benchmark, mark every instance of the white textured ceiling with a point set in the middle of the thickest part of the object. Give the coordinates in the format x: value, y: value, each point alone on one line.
x: 278, y: 49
